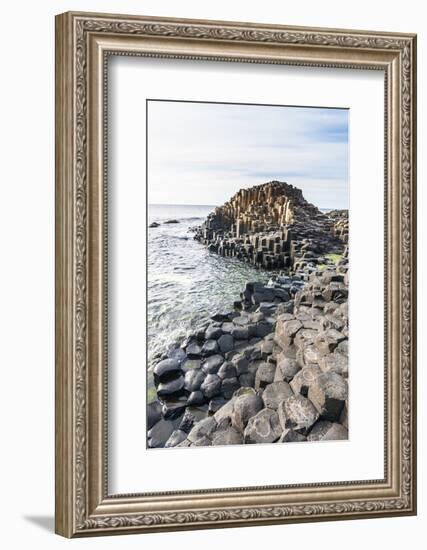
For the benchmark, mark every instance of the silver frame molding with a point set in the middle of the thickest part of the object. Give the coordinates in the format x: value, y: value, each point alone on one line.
x: 83, y: 43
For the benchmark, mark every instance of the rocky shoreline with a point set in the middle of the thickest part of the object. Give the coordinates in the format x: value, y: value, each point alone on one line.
x: 275, y: 369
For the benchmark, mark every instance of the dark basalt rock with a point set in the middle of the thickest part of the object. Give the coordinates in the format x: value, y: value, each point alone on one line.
x: 246, y: 405
x: 264, y: 375
x: 213, y: 333
x: 212, y: 364
x: 297, y: 413
x: 193, y: 380
x: 275, y: 393
x: 166, y: 370
x: 160, y: 433
x: 176, y: 437
x: 272, y: 226
x: 328, y: 431
x: 226, y: 343
x: 210, y: 347
x: 172, y: 388
x: 227, y: 370
x: 154, y: 413
x: 264, y: 427
x: 229, y: 436
x: 196, y: 398
x: 328, y: 394
x: 211, y: 386
x: 194, y: 351
x: 173, y: 408
x: 202, y: 430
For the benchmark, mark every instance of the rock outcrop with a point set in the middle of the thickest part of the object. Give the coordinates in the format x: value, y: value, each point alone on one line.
x: 281, y: 378
x: 273, y: 226
x: 275, y: 368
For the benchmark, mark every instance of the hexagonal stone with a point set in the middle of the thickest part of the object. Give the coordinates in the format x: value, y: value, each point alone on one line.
x: 211, y: 386
x: 241, y: 363
x: 229, y: 436
x: 154, y: 413
x: 193, y: 350
x: 311, y: 355
x: 227, y: 370
x: 226, y: 343
x: 328, y: 431
x: 305, y: 337
x: 160, y: 433
x: 171, y: 388
x: 297, y: 413
x: 196, y: 398
x: 275, y: 393
x: 334, y: 362
x: 225, y: 411
x: 328, y: 340
x: 212, y: 364
x: 328, y: 394
x: 246, y: 405
x: 240, y: 333
x: 266, y: 348
x: 173, y: 408
x: 264, y: 375
x: 193, y: 380
x: 302, y: 381
x: 291, y: 436
x: 210, y: 347
x: 213, y: 332
x: 286, y: 331
x: 264, y: 427
x: 227, y: 327
x: 242, y: 320
x: 166, y: 370
x: 177, y: 437
x: 203, y: 429
x: 286, y: 368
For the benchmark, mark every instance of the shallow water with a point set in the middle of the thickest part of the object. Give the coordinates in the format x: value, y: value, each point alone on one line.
x: 186, y: 283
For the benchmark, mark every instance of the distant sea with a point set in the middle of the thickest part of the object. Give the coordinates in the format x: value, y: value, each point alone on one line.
x: 186, y: 283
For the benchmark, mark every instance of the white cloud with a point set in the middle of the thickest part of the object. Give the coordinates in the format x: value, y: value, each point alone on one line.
x: 202, y: 153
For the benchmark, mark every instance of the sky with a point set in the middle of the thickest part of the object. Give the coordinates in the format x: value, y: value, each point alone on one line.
x: 203, y: 153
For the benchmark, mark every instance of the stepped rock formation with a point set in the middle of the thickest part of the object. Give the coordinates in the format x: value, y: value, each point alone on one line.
x: 272, y: 226
x: 340, y: 227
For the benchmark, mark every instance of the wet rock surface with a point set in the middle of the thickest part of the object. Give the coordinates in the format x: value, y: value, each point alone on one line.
x: 275, y: 369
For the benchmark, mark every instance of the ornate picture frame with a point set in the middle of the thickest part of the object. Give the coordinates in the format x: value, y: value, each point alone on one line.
x: 84, y: 42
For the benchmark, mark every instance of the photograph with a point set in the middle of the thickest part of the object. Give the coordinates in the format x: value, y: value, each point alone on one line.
x: 235, y: 265
x: 247, y: 274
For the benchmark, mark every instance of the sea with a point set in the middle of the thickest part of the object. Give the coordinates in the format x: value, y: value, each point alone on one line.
x: 187, y: 284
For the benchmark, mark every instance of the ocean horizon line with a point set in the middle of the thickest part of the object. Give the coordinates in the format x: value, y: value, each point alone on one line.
x: 216, y: 205
x: 178, y: 204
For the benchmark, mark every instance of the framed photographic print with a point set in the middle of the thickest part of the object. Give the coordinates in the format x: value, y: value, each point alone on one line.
x: 235, y: 274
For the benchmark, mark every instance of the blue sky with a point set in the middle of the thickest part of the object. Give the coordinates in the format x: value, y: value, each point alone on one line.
x: 203, y: 153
